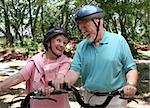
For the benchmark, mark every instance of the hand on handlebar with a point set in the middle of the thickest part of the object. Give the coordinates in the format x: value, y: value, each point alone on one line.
x: 58, y: 82
x: 47, y: 91
x: 129, y: 90
x: 54, y: 85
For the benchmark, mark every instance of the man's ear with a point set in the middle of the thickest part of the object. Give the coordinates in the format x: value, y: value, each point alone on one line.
x: 96, y: 20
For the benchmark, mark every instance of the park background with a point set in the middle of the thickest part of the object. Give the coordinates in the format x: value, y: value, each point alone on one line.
x: 23, y: 23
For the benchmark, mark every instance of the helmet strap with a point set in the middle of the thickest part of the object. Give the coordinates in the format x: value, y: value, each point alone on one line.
x: 97, y: 29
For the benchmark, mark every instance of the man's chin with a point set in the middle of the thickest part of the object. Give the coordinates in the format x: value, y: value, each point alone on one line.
x: 90, y: 41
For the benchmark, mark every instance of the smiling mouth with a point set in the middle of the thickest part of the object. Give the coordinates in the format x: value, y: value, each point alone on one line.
x: 59, y: 49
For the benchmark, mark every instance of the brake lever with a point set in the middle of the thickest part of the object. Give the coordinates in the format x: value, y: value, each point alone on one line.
x: 122, y: 96
x: 51, y: 84
x: 129, y: 98
x: 60, y: 91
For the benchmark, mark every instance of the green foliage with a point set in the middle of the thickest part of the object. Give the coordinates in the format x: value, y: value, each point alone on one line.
x: 30, y: 47
x: 129, y: 18
x: 144, y: 78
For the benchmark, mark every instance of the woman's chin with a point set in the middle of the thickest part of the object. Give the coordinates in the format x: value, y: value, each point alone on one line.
x: 59, y: 53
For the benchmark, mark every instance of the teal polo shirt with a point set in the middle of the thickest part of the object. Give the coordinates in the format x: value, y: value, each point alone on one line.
x: 103, y: 68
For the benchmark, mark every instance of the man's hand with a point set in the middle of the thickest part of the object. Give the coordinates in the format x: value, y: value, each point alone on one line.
x: 129, y: 90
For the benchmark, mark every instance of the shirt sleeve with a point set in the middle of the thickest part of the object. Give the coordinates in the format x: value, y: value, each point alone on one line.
x: 76, y: 63
x: 27, y: 70
x: 64, y: 68
x: 127, y: 58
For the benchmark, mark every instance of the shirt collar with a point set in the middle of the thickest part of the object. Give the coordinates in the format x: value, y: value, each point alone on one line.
x: 104, y: 39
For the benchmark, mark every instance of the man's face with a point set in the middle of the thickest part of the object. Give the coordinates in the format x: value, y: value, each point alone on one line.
x: 88, y: 29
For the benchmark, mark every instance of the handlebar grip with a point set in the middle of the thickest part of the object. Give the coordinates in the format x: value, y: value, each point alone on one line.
x: 58, y: 92
x: 64, y: 85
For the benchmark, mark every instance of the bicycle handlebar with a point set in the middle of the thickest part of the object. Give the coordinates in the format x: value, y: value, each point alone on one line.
x: 66, y: 89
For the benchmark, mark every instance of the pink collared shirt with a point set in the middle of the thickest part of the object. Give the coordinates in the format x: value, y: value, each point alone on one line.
x: 37, y: 72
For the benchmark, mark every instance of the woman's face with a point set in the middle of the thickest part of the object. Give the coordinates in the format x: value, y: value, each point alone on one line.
x: 58, y: 44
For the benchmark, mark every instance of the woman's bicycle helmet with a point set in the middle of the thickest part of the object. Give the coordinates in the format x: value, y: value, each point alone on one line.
x: 54, y: 32
x: 51, y: 34
x: 89, y: 12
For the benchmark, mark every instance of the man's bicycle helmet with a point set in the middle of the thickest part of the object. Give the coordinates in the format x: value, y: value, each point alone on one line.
x: 89, y: 12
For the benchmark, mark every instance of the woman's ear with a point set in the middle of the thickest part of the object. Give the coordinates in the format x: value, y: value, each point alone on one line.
x: 48, y: 44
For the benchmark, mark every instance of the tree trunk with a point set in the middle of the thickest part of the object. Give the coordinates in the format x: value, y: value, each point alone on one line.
x: 30, y: 18
x: 35, y: 20
x: 42, y: 20
x: 9, y: 38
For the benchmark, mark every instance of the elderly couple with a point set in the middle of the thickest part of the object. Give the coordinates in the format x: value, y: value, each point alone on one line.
x: 103, y: 60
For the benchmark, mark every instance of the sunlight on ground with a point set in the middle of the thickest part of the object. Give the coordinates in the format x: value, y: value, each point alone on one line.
x: 7, y: 97
x: 140, y: 104
x: 146, y: 53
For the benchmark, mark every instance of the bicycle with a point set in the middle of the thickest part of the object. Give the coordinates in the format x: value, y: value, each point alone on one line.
x: 66, y: 89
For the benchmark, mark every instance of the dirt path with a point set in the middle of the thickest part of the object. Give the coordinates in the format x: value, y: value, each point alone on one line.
x: 19, y: 89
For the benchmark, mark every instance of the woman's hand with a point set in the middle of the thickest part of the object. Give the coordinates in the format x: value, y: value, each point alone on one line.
x: 47, y: 91
x: 59, y: 80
